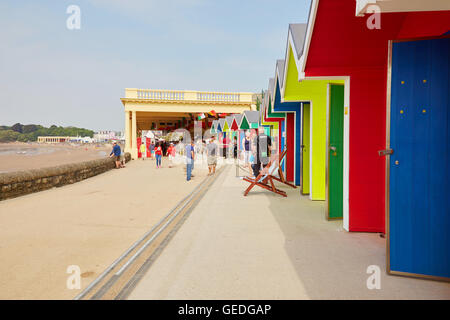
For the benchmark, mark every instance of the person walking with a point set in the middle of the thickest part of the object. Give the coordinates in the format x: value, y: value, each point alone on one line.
x: 235, y: 148
x: 224, y: 146
x: 152, y: 149
x: 211, y: 153
x: 158, y: 155
x: 116, y: 154
x: 171, y: 154
x: 261, y: 151
x: 143, y: 151
x: 189, y: 159
x: 246, y: 142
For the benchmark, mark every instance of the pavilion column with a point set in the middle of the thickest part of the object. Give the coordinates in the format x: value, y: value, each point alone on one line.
x: 134, y: 151
x: 127, y: 132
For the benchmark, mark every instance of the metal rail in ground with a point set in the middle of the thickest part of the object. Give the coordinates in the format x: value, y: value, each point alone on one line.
x: 117, y: 281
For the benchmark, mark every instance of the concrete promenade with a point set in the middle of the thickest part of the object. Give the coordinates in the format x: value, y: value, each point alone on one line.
x: 265, y: 246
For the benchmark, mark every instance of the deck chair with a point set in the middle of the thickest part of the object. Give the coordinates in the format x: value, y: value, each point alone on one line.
x: 280, y: 171
x: 266, y: 177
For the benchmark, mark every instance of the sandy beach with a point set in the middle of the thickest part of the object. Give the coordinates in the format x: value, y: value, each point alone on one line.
x: 24, y: 156
x: 89, y: 224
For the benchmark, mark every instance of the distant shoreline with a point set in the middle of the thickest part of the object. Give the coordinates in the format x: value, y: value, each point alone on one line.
x: 17, y: 156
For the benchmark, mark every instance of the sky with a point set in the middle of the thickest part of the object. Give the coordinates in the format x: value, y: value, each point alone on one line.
x: 50, y: 74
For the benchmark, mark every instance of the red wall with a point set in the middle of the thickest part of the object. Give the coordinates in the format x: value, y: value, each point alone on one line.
x: 342, y: 45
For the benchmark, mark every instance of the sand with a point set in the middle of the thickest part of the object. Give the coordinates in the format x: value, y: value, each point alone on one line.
x: 89, y: 224
x: 23, y: 156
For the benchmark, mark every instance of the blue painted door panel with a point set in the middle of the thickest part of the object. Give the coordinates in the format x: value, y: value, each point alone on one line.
x: 419, y: 184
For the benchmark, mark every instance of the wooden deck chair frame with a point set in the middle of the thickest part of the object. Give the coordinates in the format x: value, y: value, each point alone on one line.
x: 265, y: 180
x: 280, y: 172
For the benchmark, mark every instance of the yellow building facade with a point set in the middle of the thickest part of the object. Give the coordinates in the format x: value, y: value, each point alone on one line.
x: 144, y: 108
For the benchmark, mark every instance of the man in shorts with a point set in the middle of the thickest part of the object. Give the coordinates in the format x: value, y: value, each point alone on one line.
x: 116, y: 154
x: 211, y: 152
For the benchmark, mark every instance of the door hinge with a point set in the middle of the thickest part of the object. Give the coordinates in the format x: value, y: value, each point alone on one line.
x: 385, y: 152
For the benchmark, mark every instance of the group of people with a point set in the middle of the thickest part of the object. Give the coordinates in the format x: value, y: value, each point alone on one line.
x: 256, y: 148
x: 211, y: 152
x: 157, y: 151
x: 163, y: 148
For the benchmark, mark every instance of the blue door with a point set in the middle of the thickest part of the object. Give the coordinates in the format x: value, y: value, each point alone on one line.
x: 419, y: 183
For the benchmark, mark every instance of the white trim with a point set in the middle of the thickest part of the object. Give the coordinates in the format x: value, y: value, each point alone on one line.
x: 289, y: 46
x: 361, y: 6
x: 309, y: 32
x: 385, y: 6
x: 346, y: 215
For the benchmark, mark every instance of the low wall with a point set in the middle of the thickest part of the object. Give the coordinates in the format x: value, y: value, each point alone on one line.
x: 15, y: 184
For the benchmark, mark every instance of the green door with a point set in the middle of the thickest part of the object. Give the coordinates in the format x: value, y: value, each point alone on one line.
x: 336, y: 152
x: 304, y: 179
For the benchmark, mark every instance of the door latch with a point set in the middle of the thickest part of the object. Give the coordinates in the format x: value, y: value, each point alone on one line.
x: 385, y: 152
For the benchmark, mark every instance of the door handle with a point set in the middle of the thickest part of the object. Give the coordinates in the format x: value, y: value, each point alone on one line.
x: 332, y: 148
x: 385, y: 152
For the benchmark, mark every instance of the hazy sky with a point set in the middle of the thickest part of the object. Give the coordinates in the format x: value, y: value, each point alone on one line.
x: 52, y: 75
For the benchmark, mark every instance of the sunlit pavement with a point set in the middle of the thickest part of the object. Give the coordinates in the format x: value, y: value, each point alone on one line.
x: 264, y: 246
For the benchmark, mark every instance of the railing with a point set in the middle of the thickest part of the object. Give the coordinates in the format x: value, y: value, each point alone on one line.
x: 160, y: 94
x: 214, y: 96
x: 187, y: 95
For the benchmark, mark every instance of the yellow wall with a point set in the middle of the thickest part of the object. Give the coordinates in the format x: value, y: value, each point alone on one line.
x: 314, y: 91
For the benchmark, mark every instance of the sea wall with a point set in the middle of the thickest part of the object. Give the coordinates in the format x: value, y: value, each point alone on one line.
x: 15, y: 184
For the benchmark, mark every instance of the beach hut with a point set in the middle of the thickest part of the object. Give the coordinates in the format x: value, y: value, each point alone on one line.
x: 236, y: 120
x: 292, y: 124
x: 235, y: 127
x: 213, y: 129
x: 220, y: 129
x: 250, y: 120
x: 398, y: 99
x: 321, y: 171
x: 231, y: 133
x: 268, y: 127
x: 272, y: 125
x: 227, y: 124
x: 220, y: 125
x: 280, y: 118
